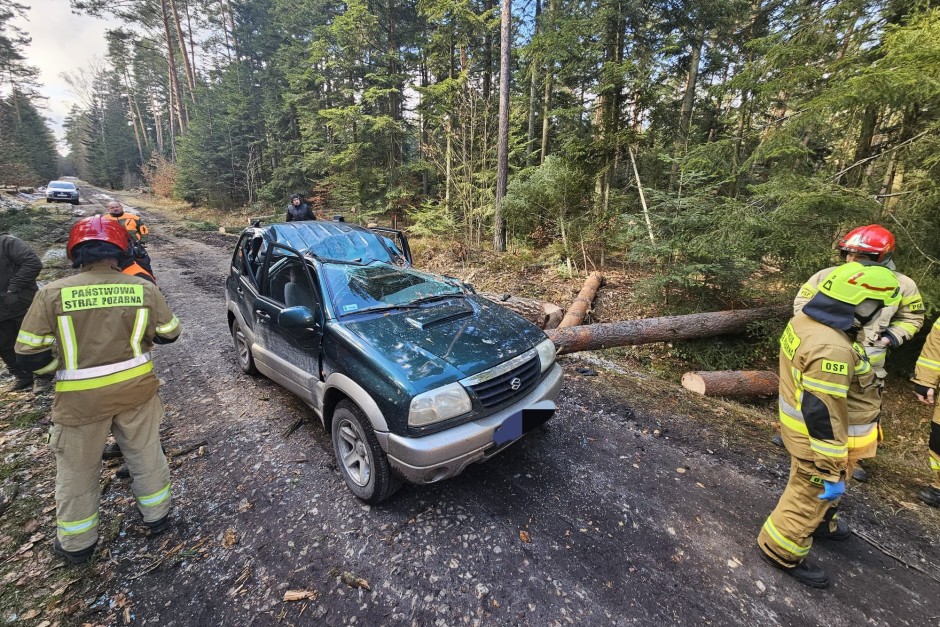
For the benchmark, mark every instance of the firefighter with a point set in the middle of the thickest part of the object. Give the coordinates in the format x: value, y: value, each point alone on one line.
x: 926, y: 377
x: 895, y: 325
x: 820, y: 368
x: 103, y: 324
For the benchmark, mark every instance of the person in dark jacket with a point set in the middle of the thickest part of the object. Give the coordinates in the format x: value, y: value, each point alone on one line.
x: 298, y: 209
x: 19, y: 267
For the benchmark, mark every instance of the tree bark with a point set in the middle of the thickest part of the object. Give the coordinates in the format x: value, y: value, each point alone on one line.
x: 732, y: 382
x: 502, y: 150
x: 543, y: 315
x: 688, y: 102
x: 177, y: 100
x: 547, y: 95
x: 533, y: 91
x: 190, y: 71
x: 667, y: 329
x: 583, y: 301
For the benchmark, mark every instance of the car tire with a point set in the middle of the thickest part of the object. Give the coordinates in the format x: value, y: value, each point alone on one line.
x: 76, y: 202
x: 246, y: 360
x: 48, y: 200
x: 361, y: 460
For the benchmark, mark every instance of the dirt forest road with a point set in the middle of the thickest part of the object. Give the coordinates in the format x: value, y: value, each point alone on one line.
x: 616, y: 513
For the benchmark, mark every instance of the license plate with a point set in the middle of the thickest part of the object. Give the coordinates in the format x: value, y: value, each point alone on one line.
x: 61, y: 195
x: 523, y: 421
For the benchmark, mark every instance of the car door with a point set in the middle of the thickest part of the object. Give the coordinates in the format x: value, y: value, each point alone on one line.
x: 396, y: 242
x: 289, y: 356
x: 244, y: 278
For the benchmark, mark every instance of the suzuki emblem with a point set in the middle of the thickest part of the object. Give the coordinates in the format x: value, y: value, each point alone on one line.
x: 516, y: 383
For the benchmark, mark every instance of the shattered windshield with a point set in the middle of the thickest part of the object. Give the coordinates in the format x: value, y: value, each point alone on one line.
x: 355, y: 288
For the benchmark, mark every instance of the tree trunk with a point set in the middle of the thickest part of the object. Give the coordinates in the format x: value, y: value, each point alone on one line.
x: 547, y: 94
x: 668, y: 329
x: 171, y: 67
x: 732, y: 382
x: 502, y: 150
x: 543, y: 315
x: 583, y: 301
x: 688, y: 102
x: 487, y: 51
x: 190, y: 72
x: 863, y: 146
x: 533, y: 92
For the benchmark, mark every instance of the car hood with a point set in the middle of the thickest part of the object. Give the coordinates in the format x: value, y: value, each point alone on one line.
x: 445, y: 341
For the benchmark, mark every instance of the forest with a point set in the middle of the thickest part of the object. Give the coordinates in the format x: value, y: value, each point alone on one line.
x: 725, y: 144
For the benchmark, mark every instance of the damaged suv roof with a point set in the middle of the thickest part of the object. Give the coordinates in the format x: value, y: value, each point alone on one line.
x: 333, y: 240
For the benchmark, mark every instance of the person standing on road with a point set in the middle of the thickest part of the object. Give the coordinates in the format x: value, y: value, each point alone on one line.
x: 137, y: 231
x: 821, y: 368
x: 299, y: 210
x: 104, y: 324
x: 895, y: 325
x: 19, y: 267
x: 926, y: 377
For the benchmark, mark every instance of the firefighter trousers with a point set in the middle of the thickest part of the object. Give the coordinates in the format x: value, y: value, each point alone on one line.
x: 786, y: 536
x: 78, y: 470
x: 935, y: 445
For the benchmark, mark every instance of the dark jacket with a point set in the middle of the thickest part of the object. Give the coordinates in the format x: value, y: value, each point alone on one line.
x: 300, y: 212
x: 19, y: 267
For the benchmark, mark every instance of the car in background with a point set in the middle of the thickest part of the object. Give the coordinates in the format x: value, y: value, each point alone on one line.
x: 414, y: 375
x: 62, y: 191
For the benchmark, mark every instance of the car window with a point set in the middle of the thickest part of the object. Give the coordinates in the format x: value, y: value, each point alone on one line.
x: 355, y: 288
x: 287, y: 280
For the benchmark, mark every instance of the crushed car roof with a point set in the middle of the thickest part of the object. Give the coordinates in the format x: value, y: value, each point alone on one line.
x: 330, y: 240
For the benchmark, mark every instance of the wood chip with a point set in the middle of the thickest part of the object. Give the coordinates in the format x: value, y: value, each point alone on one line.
x: 355, y: 582
x: 524, y: 536
x: 300, y: 595
x: 229, y: 540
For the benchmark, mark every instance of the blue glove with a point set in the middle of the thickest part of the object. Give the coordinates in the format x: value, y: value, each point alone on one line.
x: 834, y: 489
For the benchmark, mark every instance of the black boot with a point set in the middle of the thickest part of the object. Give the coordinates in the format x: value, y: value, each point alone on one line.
x: 112, y: 451
x: 841, y: 533
x: 930, y: 496
x: 860, y: 475
x: 804, y: 572
x: 777, y: 440
x: 74, y: 557
x: 17, y: 384
x: 158, y: 526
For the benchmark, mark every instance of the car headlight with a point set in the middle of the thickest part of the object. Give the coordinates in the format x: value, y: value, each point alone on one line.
x: 546, y: 350
x: 440, y: 404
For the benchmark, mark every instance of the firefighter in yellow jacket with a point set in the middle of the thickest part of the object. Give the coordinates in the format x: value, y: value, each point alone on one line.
x: 820, y: 367
x: 891, y: 328
x: 926, y: 377
x: 95, y: 330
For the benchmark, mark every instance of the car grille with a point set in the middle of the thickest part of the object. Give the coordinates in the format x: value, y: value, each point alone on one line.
x: 500, y: 389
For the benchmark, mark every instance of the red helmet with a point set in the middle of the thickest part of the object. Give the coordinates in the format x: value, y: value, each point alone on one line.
x: 873, y: 240
x: 97, y: 228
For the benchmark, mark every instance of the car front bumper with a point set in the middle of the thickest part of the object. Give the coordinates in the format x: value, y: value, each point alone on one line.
x: 445, y: 454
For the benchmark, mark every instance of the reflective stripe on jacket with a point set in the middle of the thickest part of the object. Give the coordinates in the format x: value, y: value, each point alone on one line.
x: 927, y: 371
x: 818, y: 365
x: 134, y: 225
x: 103, y: 324
x: 902, y: 321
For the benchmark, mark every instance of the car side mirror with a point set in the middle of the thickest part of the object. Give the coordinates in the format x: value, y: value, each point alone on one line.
x: 297, y: 318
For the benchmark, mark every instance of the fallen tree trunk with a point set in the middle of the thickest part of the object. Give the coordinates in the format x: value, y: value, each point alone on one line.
x: 583, y: 301
x: 542, y: 314
x: 732, y: 382
x: 650, y: 330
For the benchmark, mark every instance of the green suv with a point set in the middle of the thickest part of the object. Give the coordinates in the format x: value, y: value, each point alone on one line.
x: 414, y: 375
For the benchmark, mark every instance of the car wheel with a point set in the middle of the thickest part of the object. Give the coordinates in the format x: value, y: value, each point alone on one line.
x: 48, y: 200
x: 243, y: 349
x: 361, y: 460
x: 76, y: 202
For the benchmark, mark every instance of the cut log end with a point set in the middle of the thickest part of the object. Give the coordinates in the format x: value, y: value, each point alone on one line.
x: 732, y: 383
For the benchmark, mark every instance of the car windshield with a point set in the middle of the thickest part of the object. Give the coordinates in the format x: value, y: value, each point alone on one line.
x: 61, y: 185
x: 356, y: 288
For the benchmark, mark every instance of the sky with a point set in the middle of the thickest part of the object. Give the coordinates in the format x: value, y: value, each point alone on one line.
x: 61, y: 42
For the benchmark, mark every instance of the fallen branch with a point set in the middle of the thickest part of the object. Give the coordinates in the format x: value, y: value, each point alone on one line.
x: 189, y: 448
x: 156, y: 564
x: 732, y: 382
x: 884, y: 550
x: 293, y: 427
